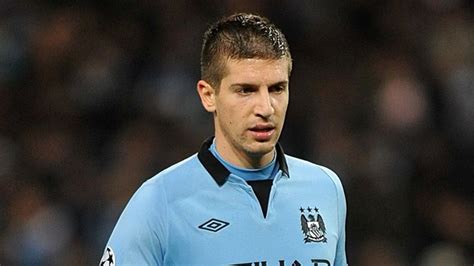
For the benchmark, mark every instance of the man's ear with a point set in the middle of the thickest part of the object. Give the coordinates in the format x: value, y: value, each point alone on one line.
x: 207, y: 94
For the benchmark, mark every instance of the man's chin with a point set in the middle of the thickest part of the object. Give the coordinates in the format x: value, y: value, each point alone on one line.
x: 260, y: 149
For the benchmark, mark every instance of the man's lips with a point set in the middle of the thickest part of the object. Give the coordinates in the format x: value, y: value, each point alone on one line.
x: 262, y: 127
x: 262, y: 132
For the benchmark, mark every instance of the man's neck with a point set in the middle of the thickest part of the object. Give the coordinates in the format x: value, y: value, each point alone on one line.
x: 266, y: 172
x: 243, y: 159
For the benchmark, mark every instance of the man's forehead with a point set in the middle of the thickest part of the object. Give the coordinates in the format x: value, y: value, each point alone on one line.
x: 257, y: 69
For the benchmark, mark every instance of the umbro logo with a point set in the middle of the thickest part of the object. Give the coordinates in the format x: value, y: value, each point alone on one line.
x: 213, y: 225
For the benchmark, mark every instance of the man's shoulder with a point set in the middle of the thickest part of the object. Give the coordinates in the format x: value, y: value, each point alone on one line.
x: 176, y: 172
x: 301, y: 168
x: 298, y: 164
x: 152, y: 197
x: 179, y: 180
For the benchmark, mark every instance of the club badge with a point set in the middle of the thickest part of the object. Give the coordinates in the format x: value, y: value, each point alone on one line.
x: 312, y: 225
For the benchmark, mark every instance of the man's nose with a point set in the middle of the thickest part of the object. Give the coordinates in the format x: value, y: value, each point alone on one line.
x: 264, y: 106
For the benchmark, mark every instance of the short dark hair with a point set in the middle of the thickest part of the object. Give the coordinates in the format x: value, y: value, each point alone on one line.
x: 240, y: 36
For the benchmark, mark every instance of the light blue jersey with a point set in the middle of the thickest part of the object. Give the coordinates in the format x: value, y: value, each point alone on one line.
x: 197, y: 213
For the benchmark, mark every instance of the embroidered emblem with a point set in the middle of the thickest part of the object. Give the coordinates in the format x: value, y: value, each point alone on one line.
x: 312, y: 225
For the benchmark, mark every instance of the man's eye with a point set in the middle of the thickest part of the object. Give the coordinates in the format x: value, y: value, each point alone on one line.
x: 277, y: 89
x: 245, y: 90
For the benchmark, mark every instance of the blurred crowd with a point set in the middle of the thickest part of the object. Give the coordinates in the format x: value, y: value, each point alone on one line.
x: 98, y: 96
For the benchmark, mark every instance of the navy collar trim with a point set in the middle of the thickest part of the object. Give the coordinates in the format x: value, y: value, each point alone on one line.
x: 219, y: 173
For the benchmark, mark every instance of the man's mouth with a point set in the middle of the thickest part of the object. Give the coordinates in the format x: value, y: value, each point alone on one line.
x: 262, y: 127
x: 262, y: 132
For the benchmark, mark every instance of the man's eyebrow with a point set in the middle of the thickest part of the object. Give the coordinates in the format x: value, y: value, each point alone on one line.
x: 251, y: 85
x: 280, y: 83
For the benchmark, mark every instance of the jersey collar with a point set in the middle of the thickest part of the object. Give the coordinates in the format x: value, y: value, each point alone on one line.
x: 220, y: 173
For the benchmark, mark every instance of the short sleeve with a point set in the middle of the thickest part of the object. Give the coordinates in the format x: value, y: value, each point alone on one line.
x: 139, y: 237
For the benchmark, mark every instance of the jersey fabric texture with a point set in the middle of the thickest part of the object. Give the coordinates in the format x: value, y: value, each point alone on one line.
x: 197, y: 213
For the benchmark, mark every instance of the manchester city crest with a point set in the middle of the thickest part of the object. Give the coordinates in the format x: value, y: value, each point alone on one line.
x: 312, y: 225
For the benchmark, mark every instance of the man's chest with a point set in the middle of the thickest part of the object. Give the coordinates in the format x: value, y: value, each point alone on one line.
x: 229, y: 228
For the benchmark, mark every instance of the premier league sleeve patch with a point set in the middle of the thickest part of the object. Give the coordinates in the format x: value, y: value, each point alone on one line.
x: 108, y: 259
x: 312, y: 225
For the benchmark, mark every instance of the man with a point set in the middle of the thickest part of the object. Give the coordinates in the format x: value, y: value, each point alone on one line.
x: 240, y: 200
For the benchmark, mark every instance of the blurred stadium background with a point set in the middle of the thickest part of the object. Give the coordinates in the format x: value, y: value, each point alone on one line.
x: 98, y: 96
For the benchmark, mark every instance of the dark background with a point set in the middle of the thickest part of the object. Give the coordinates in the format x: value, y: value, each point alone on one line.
x: 98, y: 96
